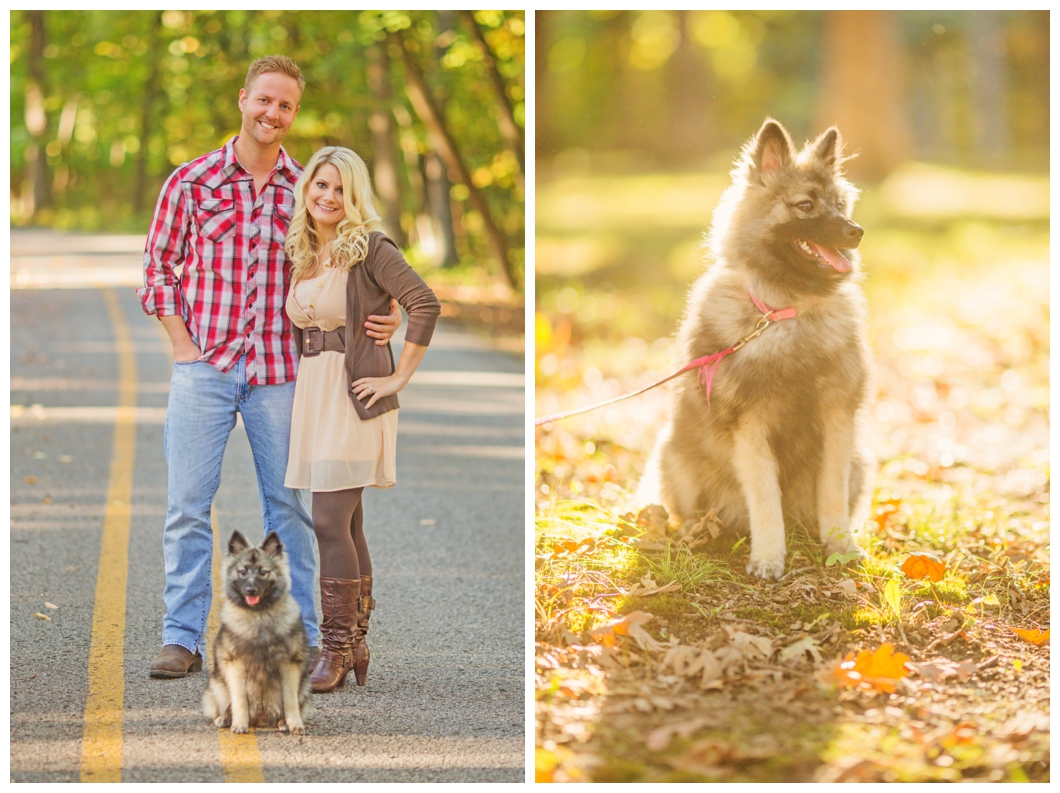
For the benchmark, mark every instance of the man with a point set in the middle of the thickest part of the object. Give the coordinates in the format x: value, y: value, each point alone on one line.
x: 223, y: 217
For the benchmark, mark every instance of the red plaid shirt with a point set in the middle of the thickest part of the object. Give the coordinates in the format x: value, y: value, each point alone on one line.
x: 235, y: 276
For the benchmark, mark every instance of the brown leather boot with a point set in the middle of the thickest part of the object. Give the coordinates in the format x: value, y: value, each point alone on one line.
x: 342, y: 645
x: 367, y: 602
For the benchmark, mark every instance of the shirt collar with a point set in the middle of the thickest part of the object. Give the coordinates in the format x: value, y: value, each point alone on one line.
x: 285, y: 175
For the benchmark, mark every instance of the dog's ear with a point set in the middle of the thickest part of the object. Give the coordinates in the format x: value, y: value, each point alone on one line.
x: 773, y: 149
x: 827, y: 147
x: 272, y: 545
x: 237, y: 543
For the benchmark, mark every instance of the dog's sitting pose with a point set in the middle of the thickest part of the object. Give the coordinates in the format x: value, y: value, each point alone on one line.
x: 259, y: 674
x: 774, y: 432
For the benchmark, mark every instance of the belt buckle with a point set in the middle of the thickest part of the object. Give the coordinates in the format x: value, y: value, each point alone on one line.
x: 312, y: 341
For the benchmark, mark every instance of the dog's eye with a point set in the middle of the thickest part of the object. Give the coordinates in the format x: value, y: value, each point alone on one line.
x: 805, y: 206
x: 242, y: 571
x: 264, y: 573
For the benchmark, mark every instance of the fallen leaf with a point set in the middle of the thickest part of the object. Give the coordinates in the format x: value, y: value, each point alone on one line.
x: 848, y: 586
x: 691, y: 662
x: 40, y: 616
x: 573, y: 548
x: 920, y: 565
x: 653, y: 519
x: 627, y: 625
x: 649, y: 586
x: 807, y: 644
x: 50, y: 605
x: 870, y: 670
x: 1032, y: 635
x: 31, y: 480
x: 941, y: 668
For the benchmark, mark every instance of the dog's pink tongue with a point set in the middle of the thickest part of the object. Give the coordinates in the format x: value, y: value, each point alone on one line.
x: 832, y: 256
x: 252, y: 600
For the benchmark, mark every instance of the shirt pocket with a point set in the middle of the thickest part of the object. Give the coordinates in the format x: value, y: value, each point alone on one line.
x: 216, y: 218
x: 281, y: 221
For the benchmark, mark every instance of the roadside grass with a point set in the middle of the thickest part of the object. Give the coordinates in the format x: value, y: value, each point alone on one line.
x: 960, y: 332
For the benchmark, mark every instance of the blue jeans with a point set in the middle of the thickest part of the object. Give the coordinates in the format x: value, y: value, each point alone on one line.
x: 203, y: 402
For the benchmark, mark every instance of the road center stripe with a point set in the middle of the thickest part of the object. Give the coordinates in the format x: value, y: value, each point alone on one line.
x: 101, y: 747
x: 240, y: 755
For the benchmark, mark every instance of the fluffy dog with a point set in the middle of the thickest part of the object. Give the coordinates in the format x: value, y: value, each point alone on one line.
x: 776, y: 433
x: 260, y: 675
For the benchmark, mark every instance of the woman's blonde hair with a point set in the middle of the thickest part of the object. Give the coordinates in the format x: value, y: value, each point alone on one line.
x: 351, y: 244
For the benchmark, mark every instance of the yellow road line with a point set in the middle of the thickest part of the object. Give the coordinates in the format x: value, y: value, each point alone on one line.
x: 240, y: 755
x: 101, y: 745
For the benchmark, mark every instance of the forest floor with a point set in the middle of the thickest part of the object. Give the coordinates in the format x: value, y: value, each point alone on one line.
x: 659, y: 659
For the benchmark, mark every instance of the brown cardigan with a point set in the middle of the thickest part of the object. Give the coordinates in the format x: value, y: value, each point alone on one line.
x: 383, y: 274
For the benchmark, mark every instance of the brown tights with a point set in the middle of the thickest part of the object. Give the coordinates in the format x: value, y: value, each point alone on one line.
x: 338, y: 521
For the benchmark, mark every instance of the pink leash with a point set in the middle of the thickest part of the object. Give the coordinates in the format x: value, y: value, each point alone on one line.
x: 707, y: 365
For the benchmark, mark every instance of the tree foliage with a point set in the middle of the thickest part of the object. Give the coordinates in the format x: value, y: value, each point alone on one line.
x: 111, y: 102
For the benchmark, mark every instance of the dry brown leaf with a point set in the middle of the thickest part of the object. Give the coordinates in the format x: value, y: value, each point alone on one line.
x: 807, y: 644
x: 50, y: 605
x: 31, y: 480
x: 941, y: 668
x: 1032, y: 635
x: 40, y: 616
x: 648, y: 586
x: 627, y: 625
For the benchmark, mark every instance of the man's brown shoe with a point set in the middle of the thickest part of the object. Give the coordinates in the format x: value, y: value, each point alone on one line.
x: 175, y: 661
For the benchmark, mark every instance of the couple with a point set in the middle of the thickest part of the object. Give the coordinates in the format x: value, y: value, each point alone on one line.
x: 256, y: 235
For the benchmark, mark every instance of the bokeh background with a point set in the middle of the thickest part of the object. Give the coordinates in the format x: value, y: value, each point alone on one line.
x: 105, y: 104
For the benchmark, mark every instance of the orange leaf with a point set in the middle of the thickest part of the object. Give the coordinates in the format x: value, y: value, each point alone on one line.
x: 920, y: 565
x: 1034, y: 636
x: 605, y: 634
x: 872, y: 670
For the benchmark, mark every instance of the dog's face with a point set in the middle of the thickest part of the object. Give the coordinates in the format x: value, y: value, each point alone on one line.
x: 795, y: 212
x: 255, y: 578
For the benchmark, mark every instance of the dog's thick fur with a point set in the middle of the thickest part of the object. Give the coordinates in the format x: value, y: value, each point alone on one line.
x: 260, y: 674
x: 782, y: 438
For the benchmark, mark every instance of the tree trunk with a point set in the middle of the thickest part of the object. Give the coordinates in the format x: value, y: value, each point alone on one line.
x: 384, y: 167
x: 152, y: 93
x: 989, y: 83
x: 510, y: 131
x: 445, y: 145
x: 36, y: 117
x: 438, y: 188
x: 864, y: 91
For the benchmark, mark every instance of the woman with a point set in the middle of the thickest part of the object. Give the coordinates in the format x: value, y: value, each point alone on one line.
x: 344, y: 424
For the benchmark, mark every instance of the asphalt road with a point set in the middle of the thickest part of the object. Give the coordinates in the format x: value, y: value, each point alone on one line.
x: 444, y: 700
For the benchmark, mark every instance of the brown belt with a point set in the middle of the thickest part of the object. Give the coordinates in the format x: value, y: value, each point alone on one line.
x: 316, y: 341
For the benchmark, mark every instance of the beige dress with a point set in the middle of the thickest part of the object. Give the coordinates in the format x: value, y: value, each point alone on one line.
x: 332, y: 448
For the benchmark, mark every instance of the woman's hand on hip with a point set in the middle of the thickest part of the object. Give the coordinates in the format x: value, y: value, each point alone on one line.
x: 382, y: 328
x: 373, y: 388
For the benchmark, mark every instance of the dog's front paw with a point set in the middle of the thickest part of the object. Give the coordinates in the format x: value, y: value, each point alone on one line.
x: 297, y: 729
x: 241, y: 729
x: 221, y: 721
x: 769, y: 569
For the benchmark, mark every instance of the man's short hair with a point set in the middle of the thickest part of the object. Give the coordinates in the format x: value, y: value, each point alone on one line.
x: 274, y: 63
